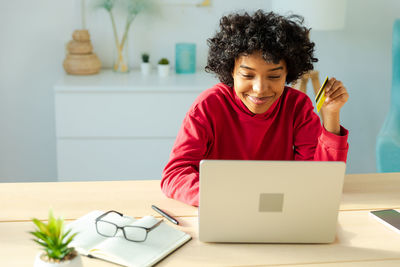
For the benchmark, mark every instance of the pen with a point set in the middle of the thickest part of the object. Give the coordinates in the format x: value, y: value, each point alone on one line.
x: 169, y: 218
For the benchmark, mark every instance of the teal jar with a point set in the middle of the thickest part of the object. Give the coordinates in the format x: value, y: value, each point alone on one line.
x: 185, y: 58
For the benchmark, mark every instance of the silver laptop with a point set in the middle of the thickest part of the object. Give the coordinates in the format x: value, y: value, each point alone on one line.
x: 269, y: 201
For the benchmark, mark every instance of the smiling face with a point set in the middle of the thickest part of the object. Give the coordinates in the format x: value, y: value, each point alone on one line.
x: 258, y: 83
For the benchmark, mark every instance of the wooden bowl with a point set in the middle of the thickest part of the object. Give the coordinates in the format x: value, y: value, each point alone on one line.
x: 75, y: 47
x: 82, y: 64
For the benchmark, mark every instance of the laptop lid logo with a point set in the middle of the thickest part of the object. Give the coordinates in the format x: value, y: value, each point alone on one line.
x: 270, y: 202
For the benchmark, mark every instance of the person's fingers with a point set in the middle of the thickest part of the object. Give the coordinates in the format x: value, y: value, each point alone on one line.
x: 335, y: 85
x: 338, y: 91
x: 340, y: 95
x: 329, y: 84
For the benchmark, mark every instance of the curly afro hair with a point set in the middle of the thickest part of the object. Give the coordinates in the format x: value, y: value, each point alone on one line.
x: 277, y: 37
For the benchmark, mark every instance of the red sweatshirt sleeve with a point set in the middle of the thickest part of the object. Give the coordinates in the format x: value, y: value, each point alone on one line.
x: 313, y: 142
x: 180, y: 179
x: 332, y: 147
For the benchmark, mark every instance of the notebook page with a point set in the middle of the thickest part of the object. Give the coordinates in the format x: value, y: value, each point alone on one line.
x: 87, y: 236
x: 160, y: 242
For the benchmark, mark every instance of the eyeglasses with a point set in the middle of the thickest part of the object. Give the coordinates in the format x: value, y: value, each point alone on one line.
x: 131, y: 233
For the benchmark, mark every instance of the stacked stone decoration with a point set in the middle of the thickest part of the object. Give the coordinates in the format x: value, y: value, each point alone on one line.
x: 80, y: 59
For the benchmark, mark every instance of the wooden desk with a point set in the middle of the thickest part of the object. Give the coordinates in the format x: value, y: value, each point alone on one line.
x: 361, y: 240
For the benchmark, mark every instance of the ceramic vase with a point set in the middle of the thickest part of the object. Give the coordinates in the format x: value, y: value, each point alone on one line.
x: 163, y: 70
x: 145, y: 68
x: 75, y: 262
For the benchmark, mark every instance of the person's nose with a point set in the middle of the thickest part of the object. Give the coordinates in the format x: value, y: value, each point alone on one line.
x: 260, y: 86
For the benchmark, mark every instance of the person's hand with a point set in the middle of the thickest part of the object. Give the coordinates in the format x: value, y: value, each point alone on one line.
x: 336, y: 96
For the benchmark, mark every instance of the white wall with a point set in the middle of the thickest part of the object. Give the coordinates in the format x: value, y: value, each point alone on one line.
x: 31, y: 51
x: 361, y: 57
x: 32, y: 47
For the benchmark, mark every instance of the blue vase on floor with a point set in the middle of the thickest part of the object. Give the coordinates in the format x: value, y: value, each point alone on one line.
x: 388, y: 140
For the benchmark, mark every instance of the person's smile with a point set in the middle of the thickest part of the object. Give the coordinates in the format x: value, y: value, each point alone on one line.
x: 259, y: 100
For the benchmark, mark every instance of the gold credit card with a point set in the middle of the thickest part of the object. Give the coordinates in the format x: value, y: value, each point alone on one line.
x: 320, y: 98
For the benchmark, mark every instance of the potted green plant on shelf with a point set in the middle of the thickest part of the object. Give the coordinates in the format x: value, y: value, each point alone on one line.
x: 55, y: 242
x: 163, y: 67
x: 145, y: 66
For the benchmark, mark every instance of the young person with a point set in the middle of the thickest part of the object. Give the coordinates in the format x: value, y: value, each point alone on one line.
x: 251, y: 114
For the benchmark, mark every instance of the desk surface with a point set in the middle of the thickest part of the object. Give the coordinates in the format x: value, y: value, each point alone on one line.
x: 361, y: 240
x: 22, y: 201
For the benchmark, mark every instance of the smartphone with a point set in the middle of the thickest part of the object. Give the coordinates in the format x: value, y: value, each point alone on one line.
x: 390, y: 218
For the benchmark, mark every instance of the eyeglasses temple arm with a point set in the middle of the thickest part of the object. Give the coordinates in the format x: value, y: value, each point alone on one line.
x: 101, y: 216
x: 154, y: 226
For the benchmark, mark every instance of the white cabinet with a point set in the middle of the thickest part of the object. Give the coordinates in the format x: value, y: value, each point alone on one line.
x: 114, y: 126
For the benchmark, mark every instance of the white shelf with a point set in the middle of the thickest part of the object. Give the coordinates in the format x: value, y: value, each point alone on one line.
x: 134, y: 81
x: 114, y: 126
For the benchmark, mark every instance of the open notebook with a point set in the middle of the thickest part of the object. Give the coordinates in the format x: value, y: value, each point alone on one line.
x: 160, y: 242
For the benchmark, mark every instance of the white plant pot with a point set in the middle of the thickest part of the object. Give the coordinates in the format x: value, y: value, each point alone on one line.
x: 163, y: 70
x: 75, y: 262
x: 146, y: 68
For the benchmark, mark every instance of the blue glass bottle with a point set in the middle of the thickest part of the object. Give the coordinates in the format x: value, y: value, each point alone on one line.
x: 185, y: 58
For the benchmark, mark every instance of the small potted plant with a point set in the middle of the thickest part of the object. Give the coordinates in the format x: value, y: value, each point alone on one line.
x: 163, y: 67
x: 54, y: 241
x: 145, y: 66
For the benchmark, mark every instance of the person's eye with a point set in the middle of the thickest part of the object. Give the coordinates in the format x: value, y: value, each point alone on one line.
x: 274, y: 77
x: 246, y: 75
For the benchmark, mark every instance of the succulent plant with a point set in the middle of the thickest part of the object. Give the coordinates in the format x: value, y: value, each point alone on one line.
x: 145, y: 57
x: 163, y: 61
x: 52, y: 238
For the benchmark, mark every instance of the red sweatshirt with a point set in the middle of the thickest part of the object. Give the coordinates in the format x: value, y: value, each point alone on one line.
x: 219, y: 126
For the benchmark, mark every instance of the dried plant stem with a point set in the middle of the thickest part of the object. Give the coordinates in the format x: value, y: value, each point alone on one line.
x: 127, y: 26
x: 120, y: 64
x: 114, y: 28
